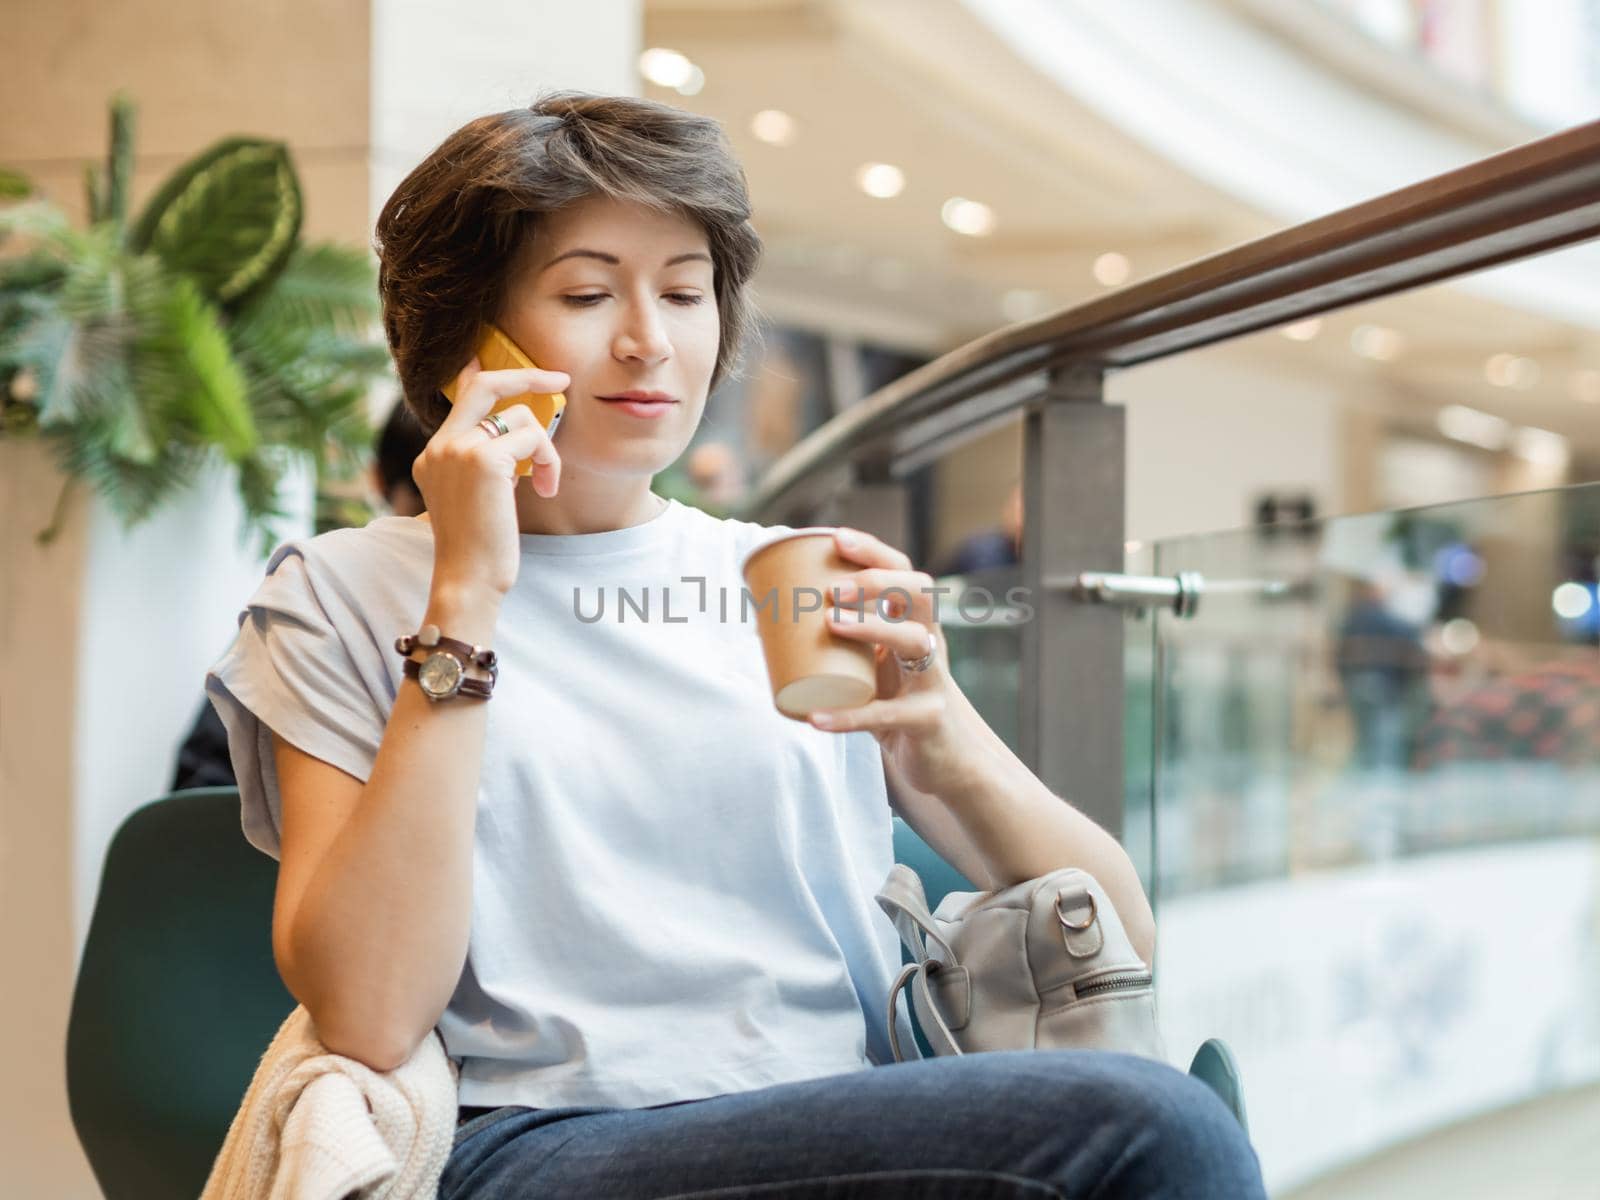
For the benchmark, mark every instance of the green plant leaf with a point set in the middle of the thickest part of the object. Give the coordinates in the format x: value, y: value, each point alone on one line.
x: 321, y: 286
x: 94, y: 192
x: 129, y: 437
x: 29, y: 274
x: 229, y: 218
x: 132, y: 490
x: 43, y: 344
x: 14, y: 185
x: 68, y: 333
x: 259, y: 476
x: 136, y: 377
x: 41, y: 220
x: 182, y: 355
x: 119, y: 159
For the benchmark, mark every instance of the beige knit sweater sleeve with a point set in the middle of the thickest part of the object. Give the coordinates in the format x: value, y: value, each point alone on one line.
x: 315, y: 1125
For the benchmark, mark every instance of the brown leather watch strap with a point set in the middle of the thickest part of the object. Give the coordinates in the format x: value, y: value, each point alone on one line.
x: 482, y: 689
x: 429, y: 638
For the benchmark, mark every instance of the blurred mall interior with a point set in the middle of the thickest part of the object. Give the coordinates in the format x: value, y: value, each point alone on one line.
x: 1342, y: 687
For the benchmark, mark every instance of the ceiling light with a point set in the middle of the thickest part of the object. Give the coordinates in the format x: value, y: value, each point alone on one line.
x: 1111, y: 269
x: 1572, y: 600
x: 1586, y: 386
x: 1509, y: 370
x: 1477, y: 428
x: 666, y: 68
x: 968, y: 216
x: 1302, y: 331
x: 773, y: 126
x: 881, y: 180
x: 692, y: 85
x: 1540, y: 446
x: 1459, y: 636
x: 1376, y: 341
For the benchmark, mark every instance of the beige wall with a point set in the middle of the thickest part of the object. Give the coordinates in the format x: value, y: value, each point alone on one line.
x: 39, y: 609
x: 1207, y: 433
x: 292, y: 69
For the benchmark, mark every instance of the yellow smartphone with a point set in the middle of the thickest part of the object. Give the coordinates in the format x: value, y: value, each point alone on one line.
x: 497, y: 352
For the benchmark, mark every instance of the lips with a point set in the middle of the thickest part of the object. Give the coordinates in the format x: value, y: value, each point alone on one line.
x: 650, y: 407
x: 641, y: 398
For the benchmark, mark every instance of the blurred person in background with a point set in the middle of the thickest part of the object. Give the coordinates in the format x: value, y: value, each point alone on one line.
x: 399, y: 443
x: 994, y: 547
x: 203, y: 758
x: 1383, y: 667
x: 714, y: 471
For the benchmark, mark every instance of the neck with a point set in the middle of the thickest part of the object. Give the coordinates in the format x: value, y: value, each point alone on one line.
x: 586, y: 504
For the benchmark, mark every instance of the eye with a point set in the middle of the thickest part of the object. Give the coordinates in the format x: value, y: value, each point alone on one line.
x: 589, y: 300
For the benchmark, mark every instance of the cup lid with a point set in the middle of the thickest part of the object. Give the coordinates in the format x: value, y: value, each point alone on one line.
x: 808, y: 531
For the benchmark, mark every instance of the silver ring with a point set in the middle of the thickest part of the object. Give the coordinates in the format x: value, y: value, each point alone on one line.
x: 494, y: 425
x: 922, y: 664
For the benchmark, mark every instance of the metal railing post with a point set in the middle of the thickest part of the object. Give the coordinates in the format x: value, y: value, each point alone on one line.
x: 1072, y: 681
x: 876, y: 503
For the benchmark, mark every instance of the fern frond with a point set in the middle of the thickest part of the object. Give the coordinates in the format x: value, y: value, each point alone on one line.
x: 43, y: 221
x: 185, y: 366
x: 14, y: 185
x: 322, y: 286
x: 137, y: 379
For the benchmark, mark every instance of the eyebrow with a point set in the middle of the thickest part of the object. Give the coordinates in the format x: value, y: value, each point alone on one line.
x: 614, y: 261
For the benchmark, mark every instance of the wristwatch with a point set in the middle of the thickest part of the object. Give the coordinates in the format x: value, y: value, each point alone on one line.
x: 442, y: 672
x: 441, y: 676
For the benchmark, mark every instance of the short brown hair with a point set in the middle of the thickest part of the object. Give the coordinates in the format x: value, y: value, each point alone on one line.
x: 448, y: 236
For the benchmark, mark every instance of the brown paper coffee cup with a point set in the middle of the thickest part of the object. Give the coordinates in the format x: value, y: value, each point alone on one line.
x: 809, y: 666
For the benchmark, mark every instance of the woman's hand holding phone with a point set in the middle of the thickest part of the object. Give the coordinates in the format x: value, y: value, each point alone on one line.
x: 467, y: 478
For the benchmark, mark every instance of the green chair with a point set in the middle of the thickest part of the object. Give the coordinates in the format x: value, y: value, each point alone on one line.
x: 178, y: 996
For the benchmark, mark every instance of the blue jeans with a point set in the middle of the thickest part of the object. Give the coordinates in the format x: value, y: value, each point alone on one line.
x: 1006, y: 1125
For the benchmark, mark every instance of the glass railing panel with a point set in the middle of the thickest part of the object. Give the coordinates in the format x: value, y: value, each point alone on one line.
x: 1376, y: 789
x: 965, y: 529
x: 984, y: 636
x: 1140, y: 721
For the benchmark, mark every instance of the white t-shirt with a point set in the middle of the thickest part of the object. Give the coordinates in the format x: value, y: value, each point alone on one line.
x: 672, y: 882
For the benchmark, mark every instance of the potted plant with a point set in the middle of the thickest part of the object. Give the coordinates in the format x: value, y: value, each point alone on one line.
x: 143, y: 350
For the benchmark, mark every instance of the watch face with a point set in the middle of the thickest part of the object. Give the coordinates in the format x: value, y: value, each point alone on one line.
x: 440, y: 674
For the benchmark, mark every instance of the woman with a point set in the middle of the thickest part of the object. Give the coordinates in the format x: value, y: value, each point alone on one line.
x: 636, y: 901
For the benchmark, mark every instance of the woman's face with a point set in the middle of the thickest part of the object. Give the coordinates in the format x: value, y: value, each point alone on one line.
x: 619, y: 296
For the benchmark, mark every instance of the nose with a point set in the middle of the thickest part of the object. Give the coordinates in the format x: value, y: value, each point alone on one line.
x: 643, y: 336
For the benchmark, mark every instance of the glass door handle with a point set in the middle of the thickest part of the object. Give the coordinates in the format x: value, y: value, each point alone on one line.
x: 1181, y: 592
